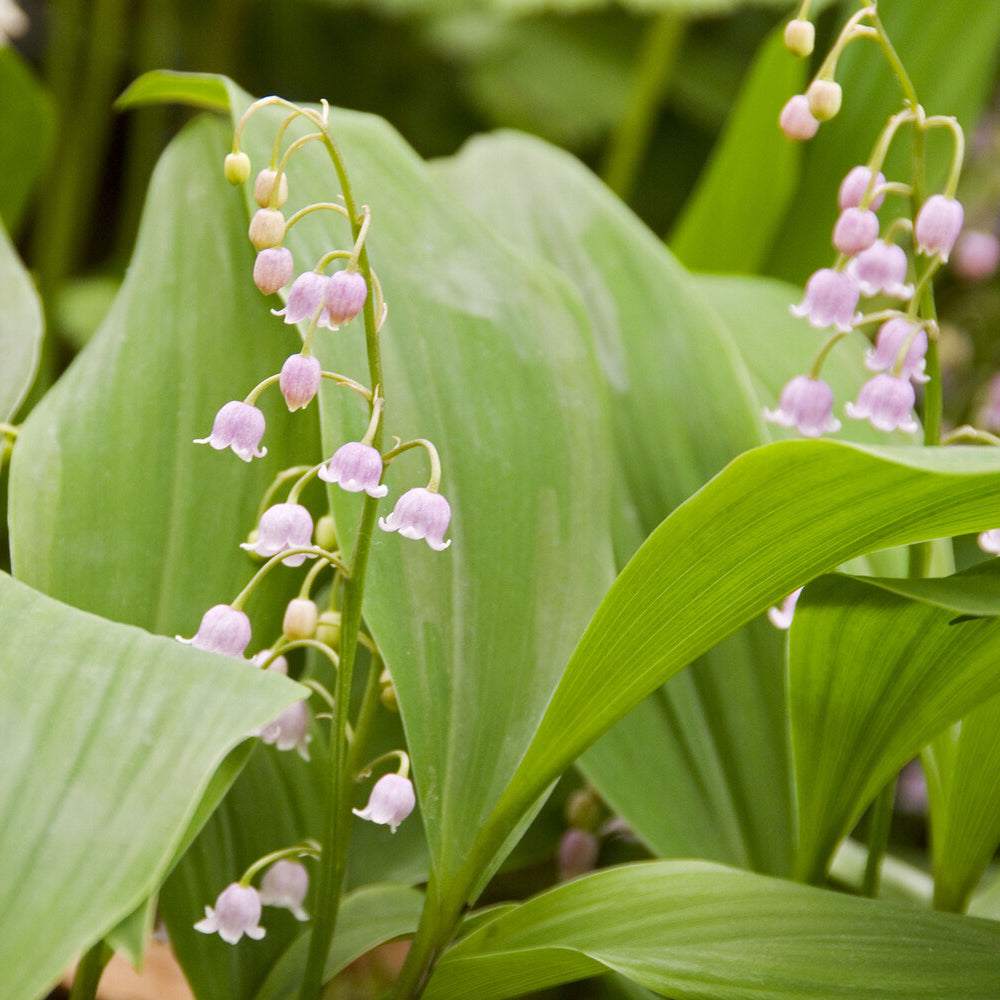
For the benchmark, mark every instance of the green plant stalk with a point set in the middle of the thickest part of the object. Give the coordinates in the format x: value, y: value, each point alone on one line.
x: 89, y: 971
x: 631, y: 138
x: 879, y: 823
x: 339, y: 791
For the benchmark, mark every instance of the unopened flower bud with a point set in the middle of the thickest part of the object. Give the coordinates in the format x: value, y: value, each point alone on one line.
x: 267, y: 228
x: 301, y: 619
x: 263, y: 189
x: 273, y: 269
x: 387, y: 692
x: 577, y: 855
x: 856, y: 230
x: 237, y: 168
x: 854, y: 186
x: 326, y: 533
x: 824, y: 97
x: 583, y: 809
x: 977, y: 255
x: 796, y: 120
x: 328, y: 629
x: 299, y: 380
x: 800, y: 37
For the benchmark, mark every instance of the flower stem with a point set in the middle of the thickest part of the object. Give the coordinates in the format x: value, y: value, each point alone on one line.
x: 89, y: 971
x: 879, y: 822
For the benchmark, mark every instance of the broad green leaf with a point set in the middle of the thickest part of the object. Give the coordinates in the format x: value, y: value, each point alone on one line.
x: 774, y: 519
x: 872, y: 677
x: 162, y: 86
x: 21, y: 326
x: 486, y: 354
x: 963, y: 777
x: 700, y: 932
x: 109, y: 738
x: 27, y: 130
x: 928, y: 36
x: 369, y: 916
x: 730, y: 220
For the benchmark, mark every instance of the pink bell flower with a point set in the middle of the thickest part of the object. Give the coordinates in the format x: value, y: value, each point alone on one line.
x: 299, y: 380
x: 781, y: 616
x: 345, y: 297
x: 887, y: 403
x: 237, y: 912
x: 391, y: 801
x: 806, y: 403
x: 356, y: 467
x: 285, y: 884
x: 831, y: 299
x: 891, y: 337
x: 305, y: 297
x: 937, y: 225
x: 854, y: 186
x: 881, y: 270
x: 283, y: 526
x: 223, y: 629
x: 273, y: 269
x: 856, y: 230
x: 419, y: 513
x: 239, y: 426
x: 796, y: 119
x: 289, y: 730
x: 977, y: 255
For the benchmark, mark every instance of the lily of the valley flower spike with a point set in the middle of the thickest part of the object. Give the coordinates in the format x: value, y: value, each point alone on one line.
x: 285, y: 884
x: 806, y: 403
x: 831, y: 299
x: 887, y: 403
x: 391, y: 801
x: 420, y: 513
x: 239, y: 426
x: 283, y: 526
x: 236, y: 912
x: 223, y: 629
x: 356, y: 467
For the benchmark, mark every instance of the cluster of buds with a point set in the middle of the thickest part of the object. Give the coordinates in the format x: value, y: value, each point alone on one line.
x: 870, y: 261
x: 285, y: 533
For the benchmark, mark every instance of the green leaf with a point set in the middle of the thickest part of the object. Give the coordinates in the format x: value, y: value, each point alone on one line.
x: 368, y: 917
x: 730, y: 220
x: 774, y: 519
x: 27, y: 132
x: 963, y: 767
x: 699, y: 932
x: 109, y: 740
x: 21, y: 326
x: 872, y: 677
x: 161, y: 86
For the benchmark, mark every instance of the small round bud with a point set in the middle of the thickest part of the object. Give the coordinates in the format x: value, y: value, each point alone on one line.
x: 387, y: 692
x: 301, y: 619
x: 326, y: 533
x: 800, y: 37
x: 824, y: 97
x: 237, y: 168
x: 328, y: 629
x: 577, y: 854
x: 267, y: 228
x: 796, y: 120
x: 856, y: 230
x: 583, y: 809
x: 299, y: 380
x: 273, y: 269
x: 263, y: 189
x: 855, y: 185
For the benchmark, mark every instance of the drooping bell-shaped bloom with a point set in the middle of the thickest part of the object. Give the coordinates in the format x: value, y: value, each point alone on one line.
x: 989, y: 541
x: 285, y: 884
x: 391, y: 801
x: 854, y: 186
x: 796, y: 120
x: 976, y: 256
x: 305, y: 297
x: 856, y: 230
x: 299, y: 380
x: 831, y: 299
x: 891, y: 338
x: 881, y: 270
x: 806, y: 403
x: 781, y: 616
x: 289, y: 730
x: 887, y: 403
x: 419, y: 513
x: 283, y: 526
x: 345, y: 296
x: 239, y: 426
x: 223, y: 629
x: 937, y: 225
x: 356, y: 467
x: 273, y: 269
x: 236, y: 912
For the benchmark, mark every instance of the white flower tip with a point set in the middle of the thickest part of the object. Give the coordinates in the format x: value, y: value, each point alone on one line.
x: 377, y: 492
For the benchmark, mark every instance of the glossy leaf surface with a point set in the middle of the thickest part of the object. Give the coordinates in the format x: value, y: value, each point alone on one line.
x: 21, y: 326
